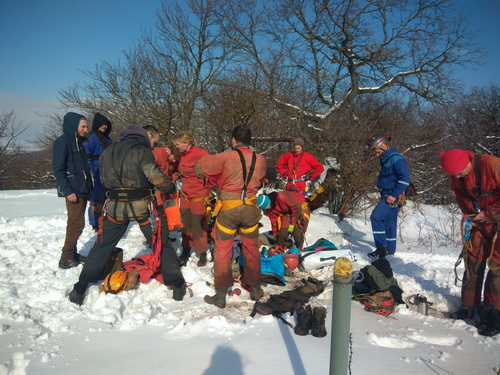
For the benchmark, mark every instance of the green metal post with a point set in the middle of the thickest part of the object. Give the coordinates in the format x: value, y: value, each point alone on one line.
x: 341, y: 317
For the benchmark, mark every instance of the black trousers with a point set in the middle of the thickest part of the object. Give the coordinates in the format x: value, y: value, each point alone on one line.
x: 95, y: 264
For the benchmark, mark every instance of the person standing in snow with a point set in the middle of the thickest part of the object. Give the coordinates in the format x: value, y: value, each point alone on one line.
x: 393, y: 179
x: 193, y: 195
x: 97, y: 141
x: 238, y: 174
x: 74, y: 182
x: 475, y: 180
x: 130, y: 172
x: 300, y: 169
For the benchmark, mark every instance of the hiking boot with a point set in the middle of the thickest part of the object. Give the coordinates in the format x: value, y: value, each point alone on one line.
x: 318, y: 318
x: 203, y: 260
x: 303, y: 321
x: 380, y: 252
x: 312, y: 287
x: 219, y: 299
x: 68, y: 263
x: 184, y: 257
x: 179, y: 292
x: 256, y: 293
x: 77, y: 295
x: 464, y: 312
x: 489, y: 323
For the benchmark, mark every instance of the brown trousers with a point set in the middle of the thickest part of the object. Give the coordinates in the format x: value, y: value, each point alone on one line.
x: 481, y: 246
x: 74, y: 227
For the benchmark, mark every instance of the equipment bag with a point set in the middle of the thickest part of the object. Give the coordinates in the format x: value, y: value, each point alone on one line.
x: 380, y: 302
x: 322, y: 253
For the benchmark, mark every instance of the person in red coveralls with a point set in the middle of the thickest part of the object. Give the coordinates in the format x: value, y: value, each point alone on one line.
x: 193, y: 195
x: 288, y: 217
x: 475, y: 180
x: 238, y: 174
x: 299, y: 168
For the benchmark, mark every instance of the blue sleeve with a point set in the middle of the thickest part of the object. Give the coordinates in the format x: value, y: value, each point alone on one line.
x: 89, y: 146
x: 60, y: 167
x: 402, y: 174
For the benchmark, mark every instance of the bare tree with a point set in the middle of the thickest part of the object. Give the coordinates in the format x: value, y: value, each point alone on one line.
x: 335, y: 51
x: 10, y: 130
x: 475, y: 121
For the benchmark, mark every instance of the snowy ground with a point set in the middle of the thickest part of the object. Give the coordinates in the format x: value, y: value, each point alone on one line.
x: 144, y: 331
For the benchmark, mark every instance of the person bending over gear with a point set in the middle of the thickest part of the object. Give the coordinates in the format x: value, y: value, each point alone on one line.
x: 129, y: 171
x: 287, y: 216
x: 393, y: 179
x: 238, y: 173
x: 475, y: 180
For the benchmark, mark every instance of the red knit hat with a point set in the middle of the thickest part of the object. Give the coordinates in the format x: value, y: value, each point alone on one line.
x: 454, y: 161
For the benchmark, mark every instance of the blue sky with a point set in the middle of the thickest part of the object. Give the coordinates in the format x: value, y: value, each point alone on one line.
x: 45, y: 43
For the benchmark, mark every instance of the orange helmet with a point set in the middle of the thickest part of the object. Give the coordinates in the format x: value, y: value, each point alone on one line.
x: 291, y: 260
x: 116, y: 282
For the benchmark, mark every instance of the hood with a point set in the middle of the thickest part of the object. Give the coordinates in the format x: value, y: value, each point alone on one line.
x: 99, y: 120
x: 135, y: 131
x: 70, y: 123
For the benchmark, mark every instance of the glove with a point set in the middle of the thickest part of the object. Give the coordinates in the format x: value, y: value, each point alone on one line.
x: 291, y: 228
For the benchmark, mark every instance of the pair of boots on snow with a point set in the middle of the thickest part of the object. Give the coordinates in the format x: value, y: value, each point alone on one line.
x: 311, y: 320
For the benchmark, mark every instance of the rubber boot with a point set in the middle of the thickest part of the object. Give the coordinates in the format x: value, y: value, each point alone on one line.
x: 184, y: 257
x: 179, y: 292
x: 77, y: 295
x: 380, y: 252
x: 115, y: 261
x: 219, y: 299
x: 203, y: 260
x: 318, y: 328
x: 464, y: 312
x: 489, y: 323
x: 256, y: 293
x: 303, y: 321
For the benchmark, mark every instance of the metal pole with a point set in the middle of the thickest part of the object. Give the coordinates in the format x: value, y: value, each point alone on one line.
x: 341, y: 316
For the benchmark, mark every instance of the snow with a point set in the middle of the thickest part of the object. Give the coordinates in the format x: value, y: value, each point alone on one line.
x: 145, y: 331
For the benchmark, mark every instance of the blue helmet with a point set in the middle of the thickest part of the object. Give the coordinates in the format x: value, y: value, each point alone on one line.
x: 263, y: 201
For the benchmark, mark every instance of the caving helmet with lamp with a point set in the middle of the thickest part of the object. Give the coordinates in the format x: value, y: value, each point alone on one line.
x: 116, y: 282
x: 378, y: 142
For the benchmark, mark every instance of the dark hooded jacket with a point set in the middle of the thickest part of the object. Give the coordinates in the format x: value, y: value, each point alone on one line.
x: 94, y: 146
x: 130, y: 164
x: 69, y: 163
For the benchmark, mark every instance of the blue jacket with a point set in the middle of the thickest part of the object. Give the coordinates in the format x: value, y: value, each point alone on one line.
x: 94, y: 148
x: 394, y: 176
x: 69, y: 162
